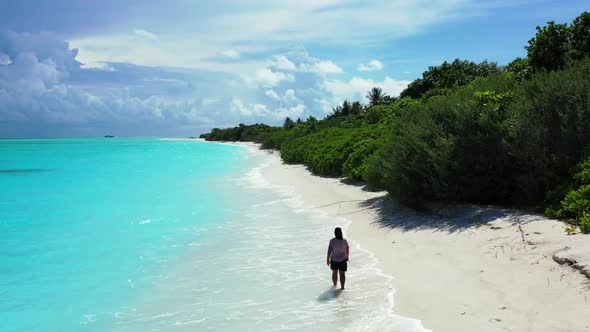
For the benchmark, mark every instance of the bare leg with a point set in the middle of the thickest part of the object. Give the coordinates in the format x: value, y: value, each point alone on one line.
x: 342, y: 279
x: 334, y: 277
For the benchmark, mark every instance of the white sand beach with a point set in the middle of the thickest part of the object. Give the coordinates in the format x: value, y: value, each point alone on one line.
x: 465, y: 268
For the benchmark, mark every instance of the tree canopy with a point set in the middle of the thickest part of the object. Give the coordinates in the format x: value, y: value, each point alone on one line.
x: 447, y: 76
x: 556, y: 44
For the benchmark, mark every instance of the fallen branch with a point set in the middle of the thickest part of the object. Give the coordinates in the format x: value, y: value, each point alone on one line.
x: 521, y: 233
x: 354, y: 200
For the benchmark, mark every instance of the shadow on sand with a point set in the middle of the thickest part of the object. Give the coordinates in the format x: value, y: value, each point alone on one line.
x: 389, y: 214
x: 330, y: 295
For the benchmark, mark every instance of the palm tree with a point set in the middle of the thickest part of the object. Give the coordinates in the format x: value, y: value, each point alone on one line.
x: 376, y: 96
x: 356, y: 108
x: 346, y: 107
x: 288, y: 124
x: 336, y: 112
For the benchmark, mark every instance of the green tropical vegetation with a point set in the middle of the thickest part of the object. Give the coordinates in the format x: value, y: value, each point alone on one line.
x: 465, y: 132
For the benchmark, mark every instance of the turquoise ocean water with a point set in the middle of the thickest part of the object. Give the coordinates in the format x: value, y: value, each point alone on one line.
x: 168, y: 235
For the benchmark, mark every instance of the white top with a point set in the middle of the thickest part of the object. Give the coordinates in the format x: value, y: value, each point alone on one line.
x: 338, y: 249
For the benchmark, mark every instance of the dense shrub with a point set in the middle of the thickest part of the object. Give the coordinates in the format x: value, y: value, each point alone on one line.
x: 333, y: 151
x: 357, y: 162
x: 550, y: 129
x: 243, y: 133
x: 575, y: 205
x: 449, y: 148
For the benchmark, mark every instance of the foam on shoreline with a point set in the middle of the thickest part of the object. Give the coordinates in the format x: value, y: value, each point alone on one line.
x: 382, y: 317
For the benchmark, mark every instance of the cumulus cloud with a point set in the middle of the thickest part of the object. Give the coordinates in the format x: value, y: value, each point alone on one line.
x: 299, y: 60
x: 36, y: 90
x: 43, y: 88
x: 283, y: 63
x: 293, y: 112
x: 145, y: 34
x: 42, y: 85
x: 45, y: 46
x: 311, y: 86
x: 238, y: 106
x: 288, y: 96
x: 4, y: 59
x: 272, y: 95
x: 370, y: 66
x: 260, y: 111
x: 268, y: 78
x: 326, y: 67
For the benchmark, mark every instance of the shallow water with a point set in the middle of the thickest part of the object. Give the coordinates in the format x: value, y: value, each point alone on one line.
x: 151, y: 235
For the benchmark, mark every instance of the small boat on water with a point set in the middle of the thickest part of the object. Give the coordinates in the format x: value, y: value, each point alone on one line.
x: 108, y: 136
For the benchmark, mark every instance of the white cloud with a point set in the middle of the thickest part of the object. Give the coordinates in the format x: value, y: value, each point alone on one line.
x: 39, y: 89
x: 293, y: 112
x: 231, y: 54
x: 312, y: 87
x: 268, y: 78
x: 145, y: 34
x: 299, y: 60
x: 181, y: 52
x: 37, y: 94
x: 370, y: 66
x: 98, y: 65
x: 288, y: 96
x: 256, y: 111
x: 272, y: 94
x: 325, y: 105
x: 4, y: 59
x: 357, y: 88
x: 326, y: 67
x: 238, y: 106
x: 283, y: 63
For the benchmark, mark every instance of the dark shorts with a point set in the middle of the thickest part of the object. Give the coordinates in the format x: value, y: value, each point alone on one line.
x: 338, y: 265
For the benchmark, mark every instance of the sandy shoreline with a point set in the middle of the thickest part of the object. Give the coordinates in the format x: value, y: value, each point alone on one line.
x: 467, y: 269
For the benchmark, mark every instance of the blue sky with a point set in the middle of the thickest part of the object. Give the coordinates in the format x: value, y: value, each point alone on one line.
x: 179, y: 68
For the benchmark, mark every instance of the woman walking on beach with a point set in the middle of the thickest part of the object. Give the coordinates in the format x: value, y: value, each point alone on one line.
x: 338, y: 257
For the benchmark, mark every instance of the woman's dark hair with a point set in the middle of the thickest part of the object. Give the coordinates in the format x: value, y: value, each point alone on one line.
x: 338, y: 233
